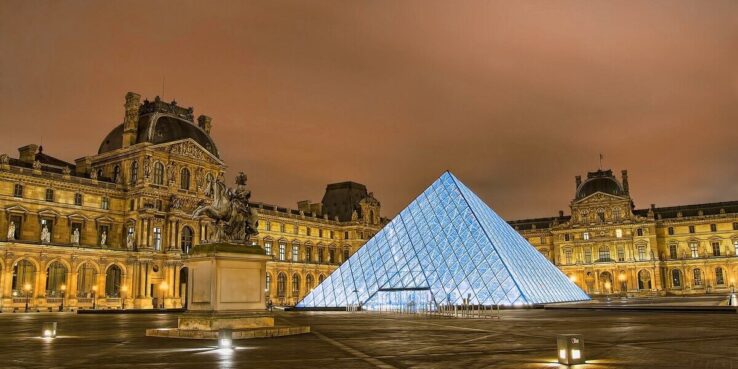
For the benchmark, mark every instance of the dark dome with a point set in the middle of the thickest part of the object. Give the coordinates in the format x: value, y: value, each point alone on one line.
x: 160, y: 128
x: 600, y: 181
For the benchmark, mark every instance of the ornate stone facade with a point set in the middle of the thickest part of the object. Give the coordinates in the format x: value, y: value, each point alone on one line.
x: 607, y: 246
x: 119, y: 223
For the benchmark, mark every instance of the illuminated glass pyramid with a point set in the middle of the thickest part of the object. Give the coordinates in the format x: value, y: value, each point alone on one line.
x: 446, y: 246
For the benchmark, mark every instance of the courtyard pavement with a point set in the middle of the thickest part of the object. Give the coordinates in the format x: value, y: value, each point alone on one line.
x: 521, y: 339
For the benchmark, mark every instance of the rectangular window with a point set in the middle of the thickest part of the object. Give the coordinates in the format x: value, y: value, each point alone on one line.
x: 585, y: 236
x: 78, y: 199
x: 332, y: 235
x: 157, y: 238
x: 103, y: 235
x: 719, y: 279
x: 268, y: 247
x: 587, y: 255
x: 639, y: 232
x: 673, y: 251
x: 735, y: 226
x: 693, y: 249
x: 49, y: 195
x: 309, y: 254
x: 320, y: 233
x: 268, y: 226
x: 604, y: 254
x: 619, y: 233
x: 282, y: 248
x: 105, y: 204
x: 281, y: 227
x: 735, y: 246
x: 295, y: 253
x: 331, y: 256
x: 641, y: 253
x: 621, y: 253
x: 307, y: 231
x: 697, y: 277
x: 49, y: 224
x: 320, y: 255
x: 346, y: 234
x: 713, y: 227
x: 691, y: 229
x: 716, y: 248
x: 567, y: 256
x: 601, y: 216
x: 671, y: 231
x: 566, y: 237
x: 18, y: 190
x: 295, y: 229
x: 345, y: 254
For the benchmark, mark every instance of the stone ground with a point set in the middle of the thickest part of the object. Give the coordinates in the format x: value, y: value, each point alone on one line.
x: 521, y: 339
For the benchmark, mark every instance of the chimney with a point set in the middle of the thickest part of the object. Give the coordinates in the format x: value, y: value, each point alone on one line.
x: 561, y: 213
x: 626, y: 188
x: 130, y: 122
x: 28, y: 153
x: 579, y: 181
x: 205, y: 122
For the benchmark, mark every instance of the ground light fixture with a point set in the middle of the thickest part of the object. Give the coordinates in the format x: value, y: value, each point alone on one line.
x: 570, y: 349
x: 225, y: 339
x: 48, y: 330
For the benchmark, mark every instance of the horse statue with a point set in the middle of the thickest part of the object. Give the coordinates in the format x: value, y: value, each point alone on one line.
x: 235, y: 220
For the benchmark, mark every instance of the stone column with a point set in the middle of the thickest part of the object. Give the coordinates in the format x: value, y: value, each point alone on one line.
x: 71, y: 293
x: 147, y: 291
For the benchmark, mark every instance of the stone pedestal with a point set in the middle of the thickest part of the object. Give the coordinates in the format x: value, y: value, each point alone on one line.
x: 226, y: 291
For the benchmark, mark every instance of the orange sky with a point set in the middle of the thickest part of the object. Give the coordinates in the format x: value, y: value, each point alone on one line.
x: 515, y: 98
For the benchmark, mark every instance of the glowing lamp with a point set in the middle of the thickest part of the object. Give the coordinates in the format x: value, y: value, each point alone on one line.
x: 225, y: 339
x: 570, y: 348
x: 48, y: 330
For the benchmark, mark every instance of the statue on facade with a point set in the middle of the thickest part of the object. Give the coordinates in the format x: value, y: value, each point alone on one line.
x: 75, y: 237
x: 129, y: 240
x: 11, y: 231
x: 103, y: 238
x: 45, y: 235
x: 235, y: 220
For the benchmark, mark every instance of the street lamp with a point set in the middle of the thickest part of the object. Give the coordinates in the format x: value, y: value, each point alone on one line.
x: 63, y: 290
x: 27, y: 290
x: 123, y: 290
x: 623, y: 286
x: 163, y: 287
x: 94, y: 297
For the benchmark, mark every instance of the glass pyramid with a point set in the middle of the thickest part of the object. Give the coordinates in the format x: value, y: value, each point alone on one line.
x: 446, y: 246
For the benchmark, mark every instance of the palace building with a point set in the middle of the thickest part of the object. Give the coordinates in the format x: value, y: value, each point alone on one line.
x: 607, y: 246
x: 111, y: 230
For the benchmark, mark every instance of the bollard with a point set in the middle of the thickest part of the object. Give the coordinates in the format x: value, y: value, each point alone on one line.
x: 48, y: 330
x: 570, y: 349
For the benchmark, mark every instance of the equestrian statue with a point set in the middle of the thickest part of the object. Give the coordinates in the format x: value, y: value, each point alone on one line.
x: 235, y: 220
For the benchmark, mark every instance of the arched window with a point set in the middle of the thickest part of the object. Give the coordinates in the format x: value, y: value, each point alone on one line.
x: 268, y: 287
x: 719, y: 278
x: 295, y: 285
x: 116, y: 173
x: 644, y: 280
x: 134, y: 172
x: 281, y: 284
x: 184, y: 179
x: 56, y: 277
x: 113, y: 281
x: 309, y: 282
x: 158, y: 173
x: 321, y: 278
x: 697, y: 277
x: 676, y: 278
x: 86, y: 278
x: 186, y: 241
x: 24, y: 278
x: 331, y: 256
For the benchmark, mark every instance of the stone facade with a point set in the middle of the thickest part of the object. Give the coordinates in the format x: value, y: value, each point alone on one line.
x: 607, y: 246
x: 119, y: 224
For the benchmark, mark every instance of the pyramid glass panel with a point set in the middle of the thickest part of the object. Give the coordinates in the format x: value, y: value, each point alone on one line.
x: 447, y: 246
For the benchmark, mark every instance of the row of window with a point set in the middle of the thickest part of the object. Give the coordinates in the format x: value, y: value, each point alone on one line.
x: 697, y: 274
x: 158, y: 177
x: 604, y: 254
x: 49, y: 196
x: 295, y: 255
x: 713, y: 228
x: 24, y: 280
x: 282, y: 283
x: 640, y: 232
x: 694, y: 249
x: 309, y: 231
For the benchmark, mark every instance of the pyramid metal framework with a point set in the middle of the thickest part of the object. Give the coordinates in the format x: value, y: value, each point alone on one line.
x: 445, y: 248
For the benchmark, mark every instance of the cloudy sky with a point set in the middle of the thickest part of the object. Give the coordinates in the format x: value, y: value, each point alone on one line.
x: 515, y: 98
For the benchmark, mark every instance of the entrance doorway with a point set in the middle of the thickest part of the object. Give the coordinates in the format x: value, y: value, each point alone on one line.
x: 183, y: 275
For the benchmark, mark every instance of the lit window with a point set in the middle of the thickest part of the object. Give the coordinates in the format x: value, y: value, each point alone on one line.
x: 587, y: 255
x: 676, y: 278
x: 619, y: 233
x: 694, y: 250
x: 268, y: 247
x: 673, y: 251
x: 49, y: 195
x: 585, y: 236
x: 621, y: 253
x: 186, y: 241
x: 616, y: 213
x: 157, y: 238
x: 268, y: 283
x: 604, y: 254
x: 282, y: 251
x: 281, y: 284
x: 320, y: 255
x: 295, y: 285
x: 295, y: 253
x: 641, y: 253
x: 309, y: 254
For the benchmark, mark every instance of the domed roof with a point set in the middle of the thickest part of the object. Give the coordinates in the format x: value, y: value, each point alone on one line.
x: 600, y: 181
x: 159, y: 128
